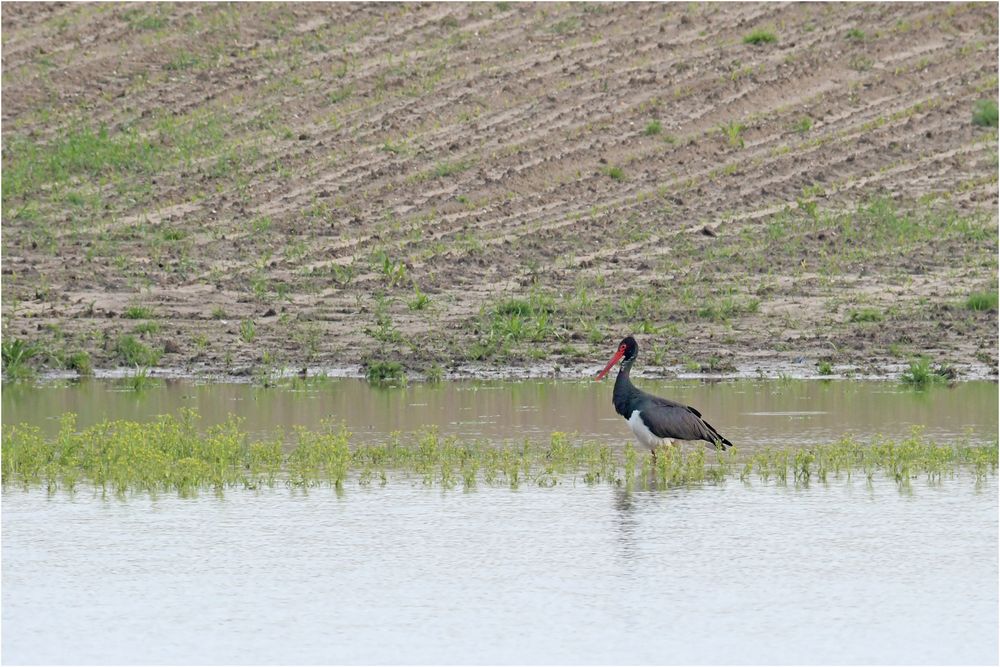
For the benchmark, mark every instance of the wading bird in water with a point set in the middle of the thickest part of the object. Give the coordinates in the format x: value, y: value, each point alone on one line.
x: 655, y: 420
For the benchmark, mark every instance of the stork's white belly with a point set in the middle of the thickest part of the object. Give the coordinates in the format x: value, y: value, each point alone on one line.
x: 645, y: 437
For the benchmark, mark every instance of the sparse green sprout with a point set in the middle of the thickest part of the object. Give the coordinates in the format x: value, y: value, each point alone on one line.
x: 803, y: 125
x: 982, y: 301
x: 144, y: 328
x: 615, y: 173
x: 760, y: 36
x: 866, y: 315
x: 984, y: 113
x: 138, y: 313
x: 861, y: 63
x: 855, y: 35
x: 339, y: 95
x: 218, y: 313
x: 733, y: 131
x: 824, y: 368
x: 653, y: 128
x: 420, y: 301
x: 248, y: 330
x: 443, y: 169
x: 435, y: 374
x: 138, y: 380
x: 385, y: 373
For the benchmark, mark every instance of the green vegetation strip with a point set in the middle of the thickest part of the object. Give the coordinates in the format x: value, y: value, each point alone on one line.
x: 172, y: 454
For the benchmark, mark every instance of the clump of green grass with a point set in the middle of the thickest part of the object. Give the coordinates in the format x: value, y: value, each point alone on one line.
x: 144, y: 328
x: 866, y: 315
x: 614, y: 173
x: 653, y: 128
x: 855, y: 35
x: 138, y: 313
x: 984, y: 113
x: 385, y: 373
x: 248, y: 331
x: 79, y: 362
x: 982, y: 301
x: 824, y: 367
x: 733, y: 132
x: 171, y: 453
x: 17, y: 356
x: 134, y: 353
x: 514, y: 321
x: 420, y: 301
x: 760, y: 36
x: 920, y: 374
x: 803, y: 125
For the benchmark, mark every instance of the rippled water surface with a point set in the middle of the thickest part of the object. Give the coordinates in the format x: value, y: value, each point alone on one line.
x: 848, y: 572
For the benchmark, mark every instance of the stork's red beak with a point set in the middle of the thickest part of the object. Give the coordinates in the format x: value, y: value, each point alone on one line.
x: 614, y: 360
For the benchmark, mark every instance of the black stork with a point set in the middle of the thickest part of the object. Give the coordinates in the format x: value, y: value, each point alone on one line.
x: 655, y: 420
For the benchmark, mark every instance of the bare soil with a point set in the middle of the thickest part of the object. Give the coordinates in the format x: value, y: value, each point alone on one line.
x: 550, y: 177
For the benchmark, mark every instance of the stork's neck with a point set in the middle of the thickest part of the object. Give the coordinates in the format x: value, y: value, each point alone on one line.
x: 625, y: 392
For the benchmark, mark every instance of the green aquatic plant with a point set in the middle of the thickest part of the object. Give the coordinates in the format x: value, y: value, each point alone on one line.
x: 171, y: 453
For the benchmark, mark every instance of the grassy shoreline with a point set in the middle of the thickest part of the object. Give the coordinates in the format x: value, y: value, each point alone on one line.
x: 172, y: 453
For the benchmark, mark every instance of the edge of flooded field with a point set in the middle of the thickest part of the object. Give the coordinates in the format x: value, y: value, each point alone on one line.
x: 791, y: 370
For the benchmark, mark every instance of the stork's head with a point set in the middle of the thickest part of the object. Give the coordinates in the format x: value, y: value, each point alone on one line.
x: 627, y: 350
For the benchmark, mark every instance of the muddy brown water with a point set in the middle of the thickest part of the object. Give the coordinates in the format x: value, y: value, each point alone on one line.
x: 753, y: 413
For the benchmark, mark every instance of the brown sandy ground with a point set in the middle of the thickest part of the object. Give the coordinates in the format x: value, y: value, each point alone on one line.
x: 238, y: 187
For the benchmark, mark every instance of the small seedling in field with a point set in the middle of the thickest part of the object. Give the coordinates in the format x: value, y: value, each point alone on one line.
x: 615, y: 173
x: 803, y: 125
x: 419, y: 301
x: 138, y: 313
x: 760, y: 36
x: 653, y: 128
x: 218, y: 313
x: 855, y: 35
x: 866, y: 315
x: 982, y: 301
x: 984, y: 113
x: 825, y: 368
x: 144, y: 328
x: 247, y: 331
x: 733, y: 131
x: 134, y: 353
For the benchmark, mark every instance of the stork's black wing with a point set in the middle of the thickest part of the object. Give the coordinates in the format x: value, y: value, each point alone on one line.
x: 669, y: 419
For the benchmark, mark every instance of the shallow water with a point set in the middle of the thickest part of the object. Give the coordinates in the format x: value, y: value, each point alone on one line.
x: 747, y: 412
x: 844, y: 573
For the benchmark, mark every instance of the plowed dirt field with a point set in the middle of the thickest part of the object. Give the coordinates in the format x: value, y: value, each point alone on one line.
x: 232, y: 188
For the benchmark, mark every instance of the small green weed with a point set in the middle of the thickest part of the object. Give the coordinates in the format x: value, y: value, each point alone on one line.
x: 984, y: 113
x: 982, y: 301
x: 138, y: 313
x: 760, y: 36
x: 385, y: 373
x: 653, y: 128
x: 866, y: 315
x: 248, y: 331
x: 920, y: 374
x: 134, y: 353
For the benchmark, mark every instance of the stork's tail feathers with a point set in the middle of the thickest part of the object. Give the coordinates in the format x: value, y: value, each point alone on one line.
x: 716, y: 438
